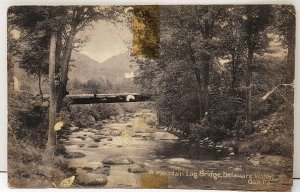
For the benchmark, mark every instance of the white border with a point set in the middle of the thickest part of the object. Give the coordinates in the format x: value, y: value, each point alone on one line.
x: 3, y: 66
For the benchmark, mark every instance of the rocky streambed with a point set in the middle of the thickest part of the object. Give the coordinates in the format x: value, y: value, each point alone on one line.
x: 128, y: 151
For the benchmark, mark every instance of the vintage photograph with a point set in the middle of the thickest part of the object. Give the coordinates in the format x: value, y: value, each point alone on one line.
x: 151, y: 96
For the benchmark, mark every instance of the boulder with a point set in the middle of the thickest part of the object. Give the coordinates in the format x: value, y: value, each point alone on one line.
x: 164, y: 136
x: 89, y: 140
x: 157, y: 161
x: 105, y: 170
x: 74, y: 129
x: 117, y: 160
x: 178, y: 161
x: 74, y: 155
x: 91, y: 179
x: 136, y: 169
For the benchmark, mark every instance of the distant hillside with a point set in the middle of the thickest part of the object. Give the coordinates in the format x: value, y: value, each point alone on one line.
x: 113, y: 69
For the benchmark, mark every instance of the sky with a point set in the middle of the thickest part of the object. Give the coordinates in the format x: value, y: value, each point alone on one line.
x: 106, y: 40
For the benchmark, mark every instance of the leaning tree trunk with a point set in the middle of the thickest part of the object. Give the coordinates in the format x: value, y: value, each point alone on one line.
x: 62, y: 90
x: 50, y: 146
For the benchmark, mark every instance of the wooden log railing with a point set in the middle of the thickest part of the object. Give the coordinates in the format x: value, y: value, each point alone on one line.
x: 107, y: 98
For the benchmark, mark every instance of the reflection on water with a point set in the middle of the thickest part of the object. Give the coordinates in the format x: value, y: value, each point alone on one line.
x: 186, y: 150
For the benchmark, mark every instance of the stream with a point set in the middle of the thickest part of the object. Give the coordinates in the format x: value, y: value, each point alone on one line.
x: 130, y: 153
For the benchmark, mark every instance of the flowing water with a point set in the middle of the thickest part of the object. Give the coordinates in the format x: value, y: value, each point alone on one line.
x: 162, y: 154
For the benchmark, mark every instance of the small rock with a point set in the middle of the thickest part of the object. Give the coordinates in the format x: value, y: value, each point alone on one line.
x: 254, y: 162
x: 105, y: 121
x: 93, y: 146
x: 231, y: 154
x: 91, y: 119
x: 238, y: 169
x: 60, y: 150
x: 81, y: 137
x: 97, y: 138
x: 115, y: 133
x: 117, y: 160
x: 74, y: 155
x: 99, y: 125
x: 109, y: 139
x: 91, y: 179
x: 230, y: 149
x: 89, y: 169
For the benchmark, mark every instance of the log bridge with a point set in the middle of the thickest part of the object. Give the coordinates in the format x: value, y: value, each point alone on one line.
x: 107, y: 98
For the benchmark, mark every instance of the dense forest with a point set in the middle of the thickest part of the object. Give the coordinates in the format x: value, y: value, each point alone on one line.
x: 226, y: 66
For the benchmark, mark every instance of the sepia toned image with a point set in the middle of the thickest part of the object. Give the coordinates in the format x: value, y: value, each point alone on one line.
x: 150, y: 96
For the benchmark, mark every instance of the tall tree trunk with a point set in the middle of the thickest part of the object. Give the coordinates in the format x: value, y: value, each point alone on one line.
x: 200, y: 94
x: 198, y: 79
x: 50, y: 146
x: 233, y: 72
x: 291, y: 50
x: 290, y: 73
x: 40, y: 85
x: 249, y: 89
x: 206, y: 85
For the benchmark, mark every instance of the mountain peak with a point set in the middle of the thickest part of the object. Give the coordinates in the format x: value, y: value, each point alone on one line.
x: 112, y: 69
